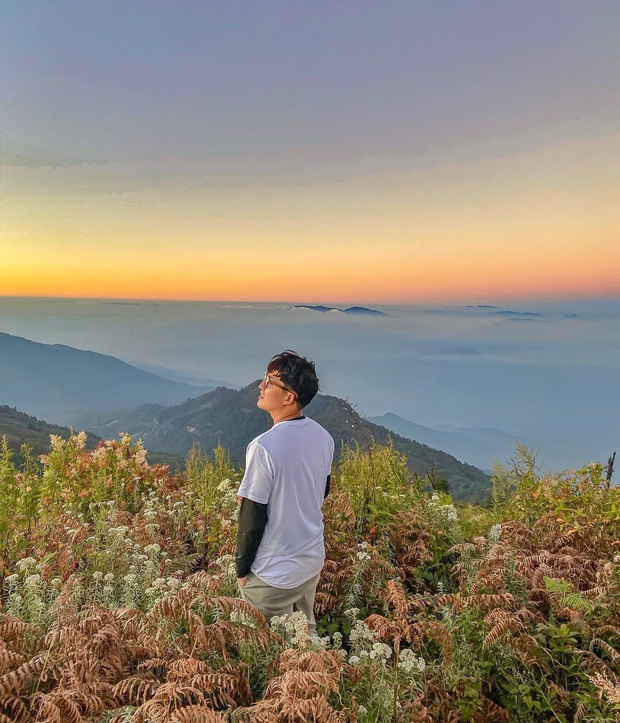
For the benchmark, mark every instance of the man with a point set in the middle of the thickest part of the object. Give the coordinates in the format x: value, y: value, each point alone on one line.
x: 280, y: 548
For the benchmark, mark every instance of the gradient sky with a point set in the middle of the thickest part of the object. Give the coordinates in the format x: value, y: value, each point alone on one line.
x: 395, y: 151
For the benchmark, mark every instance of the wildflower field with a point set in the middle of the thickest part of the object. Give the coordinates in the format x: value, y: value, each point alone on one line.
x: 119, y: 596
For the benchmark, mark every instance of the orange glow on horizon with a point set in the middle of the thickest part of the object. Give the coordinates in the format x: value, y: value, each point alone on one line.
x: 537, y: 224
x: 373, y: 278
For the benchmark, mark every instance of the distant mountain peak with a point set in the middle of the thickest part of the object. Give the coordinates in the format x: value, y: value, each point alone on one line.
x: 58, y: 382
x: 360, y: 310
x: 508, y: 312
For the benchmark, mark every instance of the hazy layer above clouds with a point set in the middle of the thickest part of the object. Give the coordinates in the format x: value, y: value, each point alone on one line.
x: 550, y: 379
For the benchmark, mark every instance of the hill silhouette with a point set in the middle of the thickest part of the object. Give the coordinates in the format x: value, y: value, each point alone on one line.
x: 57, y: 382
x: 480, y: 446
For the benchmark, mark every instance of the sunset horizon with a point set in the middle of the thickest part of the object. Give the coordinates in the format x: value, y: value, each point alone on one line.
x: 438, y: 299
x: 207, y: 151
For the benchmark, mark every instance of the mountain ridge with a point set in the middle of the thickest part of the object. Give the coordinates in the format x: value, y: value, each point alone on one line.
x: 57, y: 382
x: 478, y: 446
x: 231, y: 417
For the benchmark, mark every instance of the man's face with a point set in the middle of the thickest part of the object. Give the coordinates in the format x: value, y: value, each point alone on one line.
x: 272, y: 393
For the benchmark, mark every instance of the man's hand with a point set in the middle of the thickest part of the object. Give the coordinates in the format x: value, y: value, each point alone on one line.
x: 242, y: 581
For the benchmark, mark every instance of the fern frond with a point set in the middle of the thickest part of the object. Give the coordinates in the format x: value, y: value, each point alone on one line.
x: 58, y: 703
x: 134, y: 691
x: 491, y: 711
x: 385, y: 629
x: 397, y: 598
x: 324, y: 661
x: 196, y: 714
x: 17, y: 710
x: 9, y: 660
x: 13, y: 682
x: 508, y: 623
x: 604, y: 645
x: 324, y: 602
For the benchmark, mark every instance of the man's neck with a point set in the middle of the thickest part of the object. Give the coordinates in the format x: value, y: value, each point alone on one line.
x: 284, y: 416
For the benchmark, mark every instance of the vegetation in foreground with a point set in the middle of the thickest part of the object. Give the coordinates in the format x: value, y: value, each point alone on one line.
x: 119, y: 596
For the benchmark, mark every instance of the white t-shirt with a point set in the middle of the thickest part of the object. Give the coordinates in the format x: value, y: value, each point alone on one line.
x: 286, y: 469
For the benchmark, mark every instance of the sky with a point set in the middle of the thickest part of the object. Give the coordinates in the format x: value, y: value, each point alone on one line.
x: 392, y: 152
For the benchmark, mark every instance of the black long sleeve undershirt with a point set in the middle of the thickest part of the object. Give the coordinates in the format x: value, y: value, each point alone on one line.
x: 251, y: 528
x: 252, y: 523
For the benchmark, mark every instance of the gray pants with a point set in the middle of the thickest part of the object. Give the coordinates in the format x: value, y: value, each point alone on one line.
x: 272, y: 601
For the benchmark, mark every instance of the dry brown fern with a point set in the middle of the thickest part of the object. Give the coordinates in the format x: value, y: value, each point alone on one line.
x: 527, y: 649
x: 168, y: 698
x: 293, y: 710
x: 14, y: 682
x: 324, y: 602
x: 606, y: 647
x: 387, y: 630
x: 502, y: 622
x: 57, y: 707
x: 410, y: 543
x: 9, y: 660
x: 133, y: 691
x: 490, y: 712
x: 324, y: 661
x: 486, y: 601
x: 339, y: 516
x: 196, y: 714
x: 18, y: 636
x: 302, y: 684
x: 15, y: 708
x: 227, y: 687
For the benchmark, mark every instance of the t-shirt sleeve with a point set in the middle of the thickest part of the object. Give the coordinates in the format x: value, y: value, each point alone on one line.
x: 258, y: 480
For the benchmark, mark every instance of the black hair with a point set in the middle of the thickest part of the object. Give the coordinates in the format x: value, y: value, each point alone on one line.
x: 297, y: 373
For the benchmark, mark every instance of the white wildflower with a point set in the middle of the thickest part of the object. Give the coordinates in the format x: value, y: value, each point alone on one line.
x: 25, y: 564
x: 494, y: 534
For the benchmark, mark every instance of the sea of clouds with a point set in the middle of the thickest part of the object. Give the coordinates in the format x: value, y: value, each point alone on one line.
x: 547, y: 373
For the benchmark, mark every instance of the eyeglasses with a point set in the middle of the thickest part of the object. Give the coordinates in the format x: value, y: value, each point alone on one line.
x: 268, y: 379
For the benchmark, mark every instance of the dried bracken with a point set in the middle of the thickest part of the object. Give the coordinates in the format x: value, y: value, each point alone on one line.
x: 126, y: 608
x: 301, y: 691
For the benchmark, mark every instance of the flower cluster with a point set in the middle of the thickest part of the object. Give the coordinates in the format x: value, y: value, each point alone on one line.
x: 494, y: 534
x: 293, y: 628
x: 28, y: 594
x: 362, y: 553
x: 443, y: 515
x: 447, y: 510
x: 410, y: 663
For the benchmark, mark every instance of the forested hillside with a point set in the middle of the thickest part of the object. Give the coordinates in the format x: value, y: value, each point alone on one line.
x: 231, y: 418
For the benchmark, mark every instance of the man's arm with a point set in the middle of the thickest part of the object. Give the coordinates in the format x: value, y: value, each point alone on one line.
x: 250, y: 530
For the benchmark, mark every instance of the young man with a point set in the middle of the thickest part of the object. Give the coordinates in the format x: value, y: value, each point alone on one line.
x: 280, y: 549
